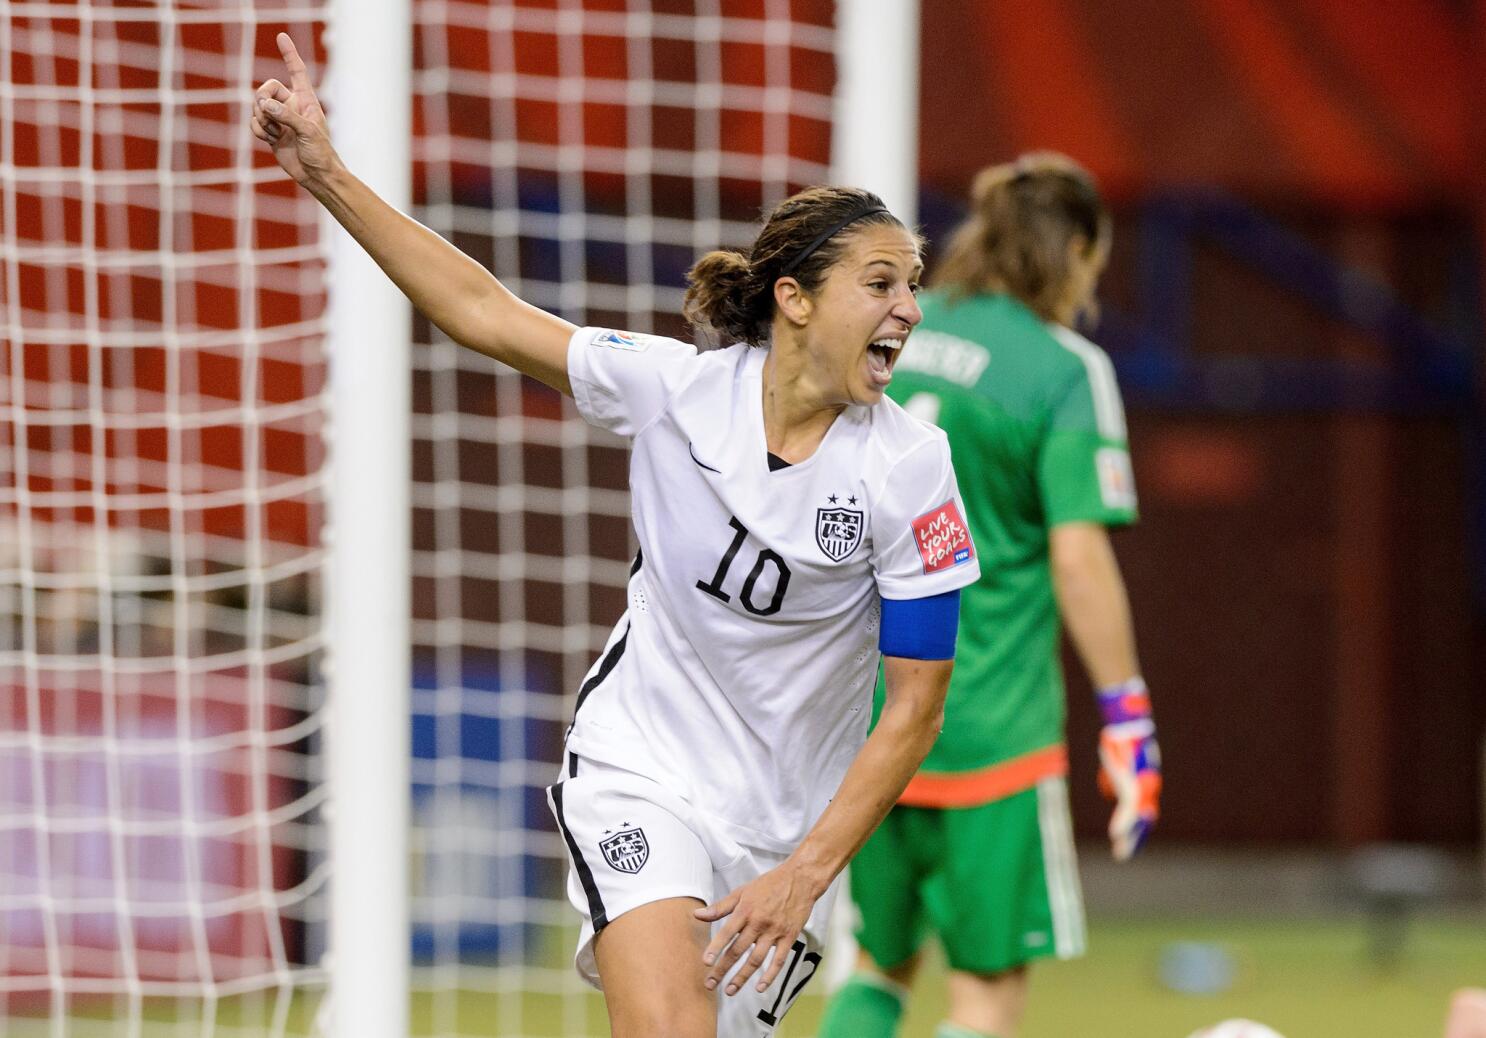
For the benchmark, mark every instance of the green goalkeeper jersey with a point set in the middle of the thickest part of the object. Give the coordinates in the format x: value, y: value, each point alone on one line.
x: 1037, y: 433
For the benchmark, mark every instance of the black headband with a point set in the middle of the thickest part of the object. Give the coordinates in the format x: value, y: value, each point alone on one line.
x: 804, y: 254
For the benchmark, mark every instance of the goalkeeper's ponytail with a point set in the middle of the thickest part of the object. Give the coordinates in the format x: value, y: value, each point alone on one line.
x: 1023, y: 217
x: 732, y: 293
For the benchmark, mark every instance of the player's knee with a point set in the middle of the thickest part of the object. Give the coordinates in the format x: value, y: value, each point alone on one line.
x: 990, y: 1002
x: 901, y: 974
x: 667, y: 1027
x: 687, y: 1018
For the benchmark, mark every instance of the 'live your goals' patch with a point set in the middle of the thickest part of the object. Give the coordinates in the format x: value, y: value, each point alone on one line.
x: 942, y: 538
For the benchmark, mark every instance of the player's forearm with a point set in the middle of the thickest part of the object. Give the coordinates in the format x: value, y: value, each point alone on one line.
x: 905, y: 732
x: 1095, y: 608
x: 458, y: 295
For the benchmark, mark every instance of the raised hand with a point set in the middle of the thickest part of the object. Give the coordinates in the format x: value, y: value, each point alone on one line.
x: 289, y: 120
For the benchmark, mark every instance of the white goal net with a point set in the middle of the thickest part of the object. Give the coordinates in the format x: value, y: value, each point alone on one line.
x: 162, y: 863
x: 587, y: 153
x: 161, y: 504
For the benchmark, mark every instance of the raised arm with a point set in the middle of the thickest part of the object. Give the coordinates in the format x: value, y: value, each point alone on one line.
x: 457, y: 294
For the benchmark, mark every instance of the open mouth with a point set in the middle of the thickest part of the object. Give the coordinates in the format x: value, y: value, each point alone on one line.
x: 881, y: 356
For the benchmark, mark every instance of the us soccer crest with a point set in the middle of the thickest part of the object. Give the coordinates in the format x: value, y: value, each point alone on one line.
x: 838, y: 531
x: 627, y: 850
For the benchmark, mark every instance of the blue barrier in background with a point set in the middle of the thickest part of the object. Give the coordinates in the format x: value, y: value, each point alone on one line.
x: 479, y: 812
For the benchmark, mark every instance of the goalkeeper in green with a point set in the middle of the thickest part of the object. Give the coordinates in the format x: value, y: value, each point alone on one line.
x: 980, y: 847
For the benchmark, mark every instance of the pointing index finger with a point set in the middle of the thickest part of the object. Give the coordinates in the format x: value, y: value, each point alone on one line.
x: 299, y: 77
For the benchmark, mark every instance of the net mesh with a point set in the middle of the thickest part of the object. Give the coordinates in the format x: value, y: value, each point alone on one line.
x: 161, y: 855
x: 588, y: 153
x: 161, y: 406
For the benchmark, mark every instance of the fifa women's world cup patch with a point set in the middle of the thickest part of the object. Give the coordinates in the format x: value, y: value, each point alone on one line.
x: 1116, y: 481
x: 942, y: 538
x: 621, y: 340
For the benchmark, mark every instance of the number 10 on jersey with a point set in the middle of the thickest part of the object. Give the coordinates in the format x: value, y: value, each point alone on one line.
x: 766, y: 557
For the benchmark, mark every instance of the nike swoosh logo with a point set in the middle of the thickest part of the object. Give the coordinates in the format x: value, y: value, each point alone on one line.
x: 699, y: 461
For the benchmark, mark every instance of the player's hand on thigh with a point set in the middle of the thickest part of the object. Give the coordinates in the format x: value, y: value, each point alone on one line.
x: 291, y: 121
x: 763, y: 915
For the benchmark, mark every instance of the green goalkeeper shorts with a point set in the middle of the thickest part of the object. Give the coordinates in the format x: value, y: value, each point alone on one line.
x: 998, y: 883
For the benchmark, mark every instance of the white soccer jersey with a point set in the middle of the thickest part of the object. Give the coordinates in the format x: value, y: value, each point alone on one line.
x: 741, y: 674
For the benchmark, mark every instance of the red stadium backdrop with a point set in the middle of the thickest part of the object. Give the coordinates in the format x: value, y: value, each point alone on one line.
x: 125, y: 148
x: 1365, y: 106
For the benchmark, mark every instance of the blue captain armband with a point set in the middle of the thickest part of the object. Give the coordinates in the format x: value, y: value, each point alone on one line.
x: 920, y: 628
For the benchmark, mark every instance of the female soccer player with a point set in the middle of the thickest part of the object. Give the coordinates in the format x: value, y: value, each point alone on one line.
x: 980, y: 849
x: 792, y: 523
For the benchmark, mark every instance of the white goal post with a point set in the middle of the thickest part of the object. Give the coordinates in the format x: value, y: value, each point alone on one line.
x: 369, y: 101
x: 874, y: 141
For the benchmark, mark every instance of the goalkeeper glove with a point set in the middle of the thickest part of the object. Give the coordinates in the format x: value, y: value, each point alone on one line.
x: 1130, y: 765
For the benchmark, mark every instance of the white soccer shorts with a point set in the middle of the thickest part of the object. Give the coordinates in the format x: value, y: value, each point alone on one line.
x: 631, y: 841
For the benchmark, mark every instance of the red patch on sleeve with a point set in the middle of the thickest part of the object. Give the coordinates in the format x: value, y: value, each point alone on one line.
x: 942, y: 538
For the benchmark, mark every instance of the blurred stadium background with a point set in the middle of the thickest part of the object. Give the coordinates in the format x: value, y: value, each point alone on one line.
x: 1294, y: 308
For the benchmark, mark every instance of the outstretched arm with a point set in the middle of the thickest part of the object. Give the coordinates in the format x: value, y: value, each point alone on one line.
x: 771, y: 911
x: 457, y: 294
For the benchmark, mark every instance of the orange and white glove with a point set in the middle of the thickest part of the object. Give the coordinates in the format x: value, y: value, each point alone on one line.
x: 1129, y: 765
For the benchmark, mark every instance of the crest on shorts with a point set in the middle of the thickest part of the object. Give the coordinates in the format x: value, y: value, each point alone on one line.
x: 838, y: 531
x: 627, y: 850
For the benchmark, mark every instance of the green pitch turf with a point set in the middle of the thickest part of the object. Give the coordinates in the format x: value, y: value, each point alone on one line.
x: 1305, y: 977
